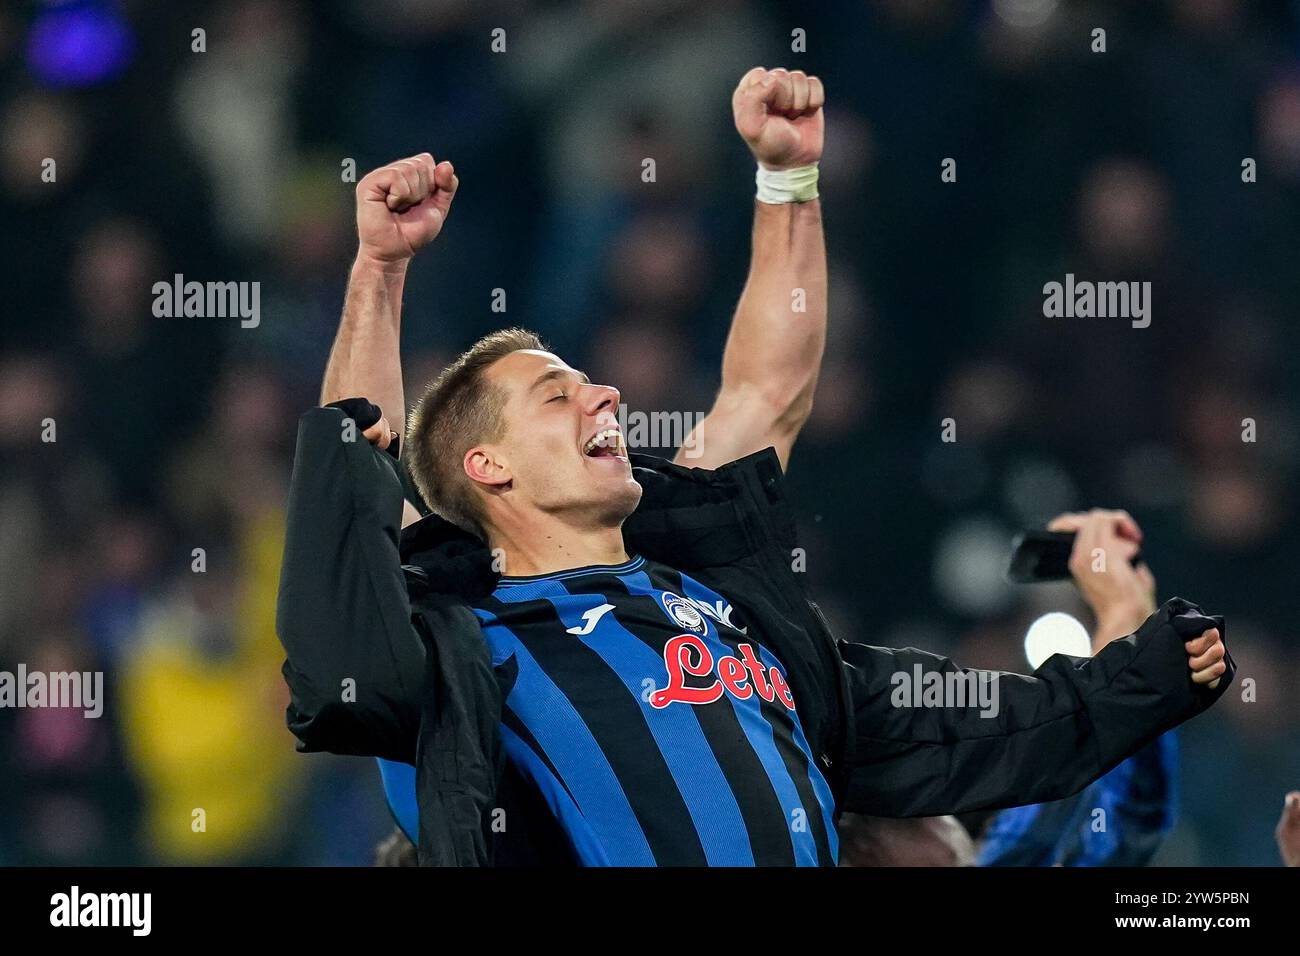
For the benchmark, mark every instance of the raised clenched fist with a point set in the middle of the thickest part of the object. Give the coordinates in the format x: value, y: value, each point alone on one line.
x: 1205, y: 657
x: 380, y: 434
x: 401, y: 207
x: 779, y: 114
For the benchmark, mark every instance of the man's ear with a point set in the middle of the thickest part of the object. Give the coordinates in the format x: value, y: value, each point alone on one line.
x: 486, y: 467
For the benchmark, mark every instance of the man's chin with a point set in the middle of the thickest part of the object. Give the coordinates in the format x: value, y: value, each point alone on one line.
x: 620, y: 499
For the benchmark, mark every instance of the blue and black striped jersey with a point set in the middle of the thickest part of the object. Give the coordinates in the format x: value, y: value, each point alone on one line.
x: 656, y: 729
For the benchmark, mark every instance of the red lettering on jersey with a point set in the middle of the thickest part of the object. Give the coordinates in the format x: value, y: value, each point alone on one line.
x: 781, y: 687
x: 688, y: 656
x: 733, y: 677
x: 677, y: 660
x: 755, y: 667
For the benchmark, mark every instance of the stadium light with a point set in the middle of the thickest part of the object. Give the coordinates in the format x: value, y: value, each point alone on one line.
x: 1056, y: 633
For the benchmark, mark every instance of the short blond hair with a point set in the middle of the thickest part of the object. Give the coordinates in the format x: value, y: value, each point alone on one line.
x: 458, y: 410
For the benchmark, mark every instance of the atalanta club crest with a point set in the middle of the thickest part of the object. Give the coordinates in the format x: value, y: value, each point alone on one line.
x: 683, y: 614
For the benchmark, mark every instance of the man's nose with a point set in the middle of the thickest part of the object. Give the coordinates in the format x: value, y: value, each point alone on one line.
x: 602, y: 401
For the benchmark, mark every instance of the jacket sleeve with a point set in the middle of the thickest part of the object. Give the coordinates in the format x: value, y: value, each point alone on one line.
x: 355, y: 664
x: 1037, y: 738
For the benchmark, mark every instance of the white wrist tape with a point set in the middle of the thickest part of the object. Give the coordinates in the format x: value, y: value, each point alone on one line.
x: 778, y: 186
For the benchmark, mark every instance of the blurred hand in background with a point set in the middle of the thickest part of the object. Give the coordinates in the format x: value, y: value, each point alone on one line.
x: 1120, y: 595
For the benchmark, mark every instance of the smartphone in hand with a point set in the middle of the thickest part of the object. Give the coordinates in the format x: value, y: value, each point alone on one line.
x: 1044, y: 556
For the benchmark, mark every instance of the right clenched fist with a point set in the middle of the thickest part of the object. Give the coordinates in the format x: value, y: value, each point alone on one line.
x: 401, y: 207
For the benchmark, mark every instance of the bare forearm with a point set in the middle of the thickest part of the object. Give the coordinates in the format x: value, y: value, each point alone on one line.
x: 775, y: 345
x: 774, y: 349
x: 366, y: 357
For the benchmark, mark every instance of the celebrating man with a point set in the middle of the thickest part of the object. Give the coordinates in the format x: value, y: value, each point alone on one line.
x: 610, y: 653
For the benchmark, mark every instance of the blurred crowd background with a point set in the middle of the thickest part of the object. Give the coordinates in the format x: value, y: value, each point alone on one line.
x: 176, y: 434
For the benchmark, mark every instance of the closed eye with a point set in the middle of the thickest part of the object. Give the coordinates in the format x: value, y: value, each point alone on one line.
x: 557, y: 398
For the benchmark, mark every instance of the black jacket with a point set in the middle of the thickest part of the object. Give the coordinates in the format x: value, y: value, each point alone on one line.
x: 385, y: 656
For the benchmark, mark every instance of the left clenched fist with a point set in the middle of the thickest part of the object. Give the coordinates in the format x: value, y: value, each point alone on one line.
x: 1205, y: 657
x: 380, y: 434
x: 779, y: 113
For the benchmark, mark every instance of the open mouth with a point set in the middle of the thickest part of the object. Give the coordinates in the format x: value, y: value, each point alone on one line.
x: 606, y: 443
